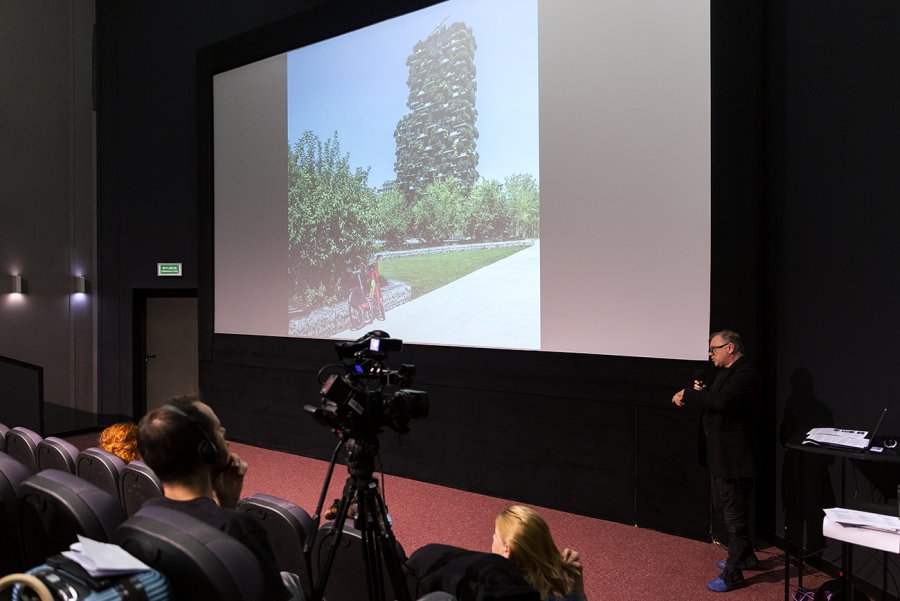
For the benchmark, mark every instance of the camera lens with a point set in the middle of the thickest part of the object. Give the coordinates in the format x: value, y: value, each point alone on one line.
x: 416, y: 402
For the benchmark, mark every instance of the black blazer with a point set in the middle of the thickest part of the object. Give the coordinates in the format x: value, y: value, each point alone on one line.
x: 727, y: 440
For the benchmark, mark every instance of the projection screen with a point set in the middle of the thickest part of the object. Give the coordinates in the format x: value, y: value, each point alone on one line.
x: 507, y: 174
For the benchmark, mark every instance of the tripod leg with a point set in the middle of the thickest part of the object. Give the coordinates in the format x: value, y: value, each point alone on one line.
x: 388, y: 547
x: 350, y: 491
x: 371, y: 559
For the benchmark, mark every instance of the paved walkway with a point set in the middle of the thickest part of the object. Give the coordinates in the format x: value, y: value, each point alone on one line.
x: 497, y: 306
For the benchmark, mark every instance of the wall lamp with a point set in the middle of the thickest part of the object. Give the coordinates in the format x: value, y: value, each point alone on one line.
x: 80, y: 284
x: 17, y: 285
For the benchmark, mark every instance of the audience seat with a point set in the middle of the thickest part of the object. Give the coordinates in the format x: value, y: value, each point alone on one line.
x: 56, y: 453
x: 3, y: 430
x: 288, y: 526
x: 101, y: 468
x: 138, y: 484
x: 12, y: 474
x: 347, y: 579
x: 21, y: 444
x: 55, y: 506
x: 201, y: 562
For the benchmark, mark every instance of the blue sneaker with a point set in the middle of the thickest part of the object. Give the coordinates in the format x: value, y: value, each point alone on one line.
x: 718, y: 585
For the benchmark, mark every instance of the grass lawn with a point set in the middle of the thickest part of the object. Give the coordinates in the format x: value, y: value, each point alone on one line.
x: 429, y: 272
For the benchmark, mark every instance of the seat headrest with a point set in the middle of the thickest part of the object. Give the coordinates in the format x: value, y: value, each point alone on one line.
x: 199, y: 560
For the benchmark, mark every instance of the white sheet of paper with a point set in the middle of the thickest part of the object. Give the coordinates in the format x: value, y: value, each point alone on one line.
x: 854, y: 439
x: 103, y: 559
x: 863, y: 519
x: 866, y: 537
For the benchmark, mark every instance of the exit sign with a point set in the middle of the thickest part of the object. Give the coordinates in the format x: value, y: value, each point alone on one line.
x: 168, y: 269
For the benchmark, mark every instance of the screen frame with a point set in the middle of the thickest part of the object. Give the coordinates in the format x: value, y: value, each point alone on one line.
x: 332, y: 19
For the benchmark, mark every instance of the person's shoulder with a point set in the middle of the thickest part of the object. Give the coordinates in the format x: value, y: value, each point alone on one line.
x: 746, y: 377
x: 239, y: 521
x: 743, y: 365
x: 201, y: 508
x: 161, y: 501
x: 186, y: 506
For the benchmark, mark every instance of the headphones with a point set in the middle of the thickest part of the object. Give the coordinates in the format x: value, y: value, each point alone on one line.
x: 208, y: 450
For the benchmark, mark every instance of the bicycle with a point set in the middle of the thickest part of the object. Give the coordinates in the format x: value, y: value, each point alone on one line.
x: 364, y: 301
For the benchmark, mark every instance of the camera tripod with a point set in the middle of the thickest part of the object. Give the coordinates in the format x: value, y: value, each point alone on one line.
x: 379, y: 544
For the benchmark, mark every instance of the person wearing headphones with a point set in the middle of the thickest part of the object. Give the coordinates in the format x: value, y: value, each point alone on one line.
x: 183, y: 442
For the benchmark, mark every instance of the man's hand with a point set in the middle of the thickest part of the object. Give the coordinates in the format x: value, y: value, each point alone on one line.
x: 698, y: 385
x: 678, y: 399
x: 228, y: 482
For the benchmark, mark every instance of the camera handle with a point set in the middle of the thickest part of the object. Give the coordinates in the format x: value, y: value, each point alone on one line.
x: 371, y: 519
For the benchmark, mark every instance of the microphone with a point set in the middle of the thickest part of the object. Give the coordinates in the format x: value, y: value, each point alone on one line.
x: 700, y: 376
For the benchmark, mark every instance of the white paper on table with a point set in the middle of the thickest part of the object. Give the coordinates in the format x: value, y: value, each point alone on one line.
x: 863, y: 519
x: 854, y: 439
x: 866, y: 537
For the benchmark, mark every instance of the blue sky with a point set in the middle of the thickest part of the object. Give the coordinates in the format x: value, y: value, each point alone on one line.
x: 355, y: 84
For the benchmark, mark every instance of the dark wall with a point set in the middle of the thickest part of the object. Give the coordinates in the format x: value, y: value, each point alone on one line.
x: 147, y: 157
x: 585, y: 434
x: 47, y: 231
x: 834, y: 197
x: 836, y: 205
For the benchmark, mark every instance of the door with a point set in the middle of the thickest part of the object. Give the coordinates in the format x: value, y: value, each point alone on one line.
x: 166, y: 348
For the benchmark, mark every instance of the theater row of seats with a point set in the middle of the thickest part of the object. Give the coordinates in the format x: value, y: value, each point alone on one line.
x: 130, y: 483
x: 44, y: 508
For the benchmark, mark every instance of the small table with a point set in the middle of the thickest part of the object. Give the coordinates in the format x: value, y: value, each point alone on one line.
x: 887, y: 456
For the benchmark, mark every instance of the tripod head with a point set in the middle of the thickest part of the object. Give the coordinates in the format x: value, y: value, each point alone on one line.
x: 361, y: 453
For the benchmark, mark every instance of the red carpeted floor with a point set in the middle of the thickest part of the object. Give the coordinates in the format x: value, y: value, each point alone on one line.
x: 621, y: 562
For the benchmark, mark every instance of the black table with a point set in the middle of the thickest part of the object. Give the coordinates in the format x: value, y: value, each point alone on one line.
x: 888, y: 456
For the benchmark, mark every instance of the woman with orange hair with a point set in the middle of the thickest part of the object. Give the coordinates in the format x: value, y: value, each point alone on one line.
x: 121, y: 440
x: 523, y: 537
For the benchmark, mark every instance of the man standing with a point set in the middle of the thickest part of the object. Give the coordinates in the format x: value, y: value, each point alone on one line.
x: 183, y: 442
x: 729, y: 407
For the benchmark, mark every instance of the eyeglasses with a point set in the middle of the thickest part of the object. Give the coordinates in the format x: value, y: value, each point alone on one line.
x: 713, y: 349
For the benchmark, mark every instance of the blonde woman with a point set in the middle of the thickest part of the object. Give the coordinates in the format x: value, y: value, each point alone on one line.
x: 523, y: 537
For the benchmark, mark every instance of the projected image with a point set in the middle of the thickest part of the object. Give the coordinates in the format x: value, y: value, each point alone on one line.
x: 513, y: 174
x: 413, y: 184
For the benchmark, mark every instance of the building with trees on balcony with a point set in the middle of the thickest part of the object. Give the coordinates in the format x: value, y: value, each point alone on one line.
x: 437, y: 137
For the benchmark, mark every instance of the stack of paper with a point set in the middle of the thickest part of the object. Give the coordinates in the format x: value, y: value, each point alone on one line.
x: 864, y: 519
x: 103, y: 559
x: 835, y: 437
x: 871, y: 530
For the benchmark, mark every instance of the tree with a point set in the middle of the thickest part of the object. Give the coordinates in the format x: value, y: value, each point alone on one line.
x: 522, y: 199
x: 439, y: 215
x: 485, y: 212
x: 330, y: 209
x: 392, y: 217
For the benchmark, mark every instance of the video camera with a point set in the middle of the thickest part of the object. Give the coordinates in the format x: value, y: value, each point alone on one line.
x: 369, y: 395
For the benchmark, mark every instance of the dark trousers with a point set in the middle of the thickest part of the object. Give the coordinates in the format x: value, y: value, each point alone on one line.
x: 731, y: 503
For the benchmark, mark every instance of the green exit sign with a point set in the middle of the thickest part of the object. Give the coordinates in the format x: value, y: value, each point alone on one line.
x: 168, y: 269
